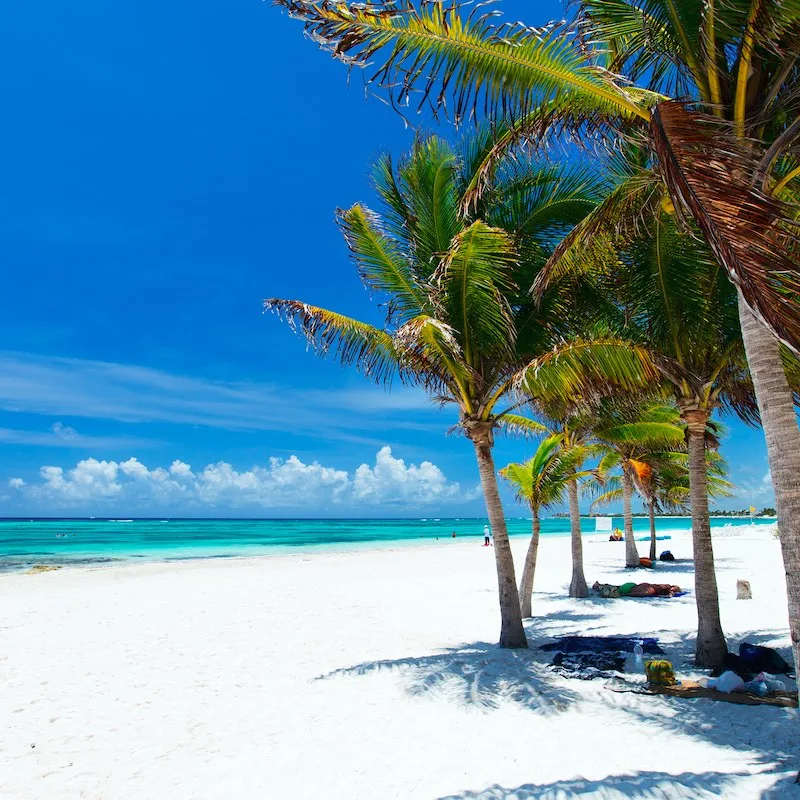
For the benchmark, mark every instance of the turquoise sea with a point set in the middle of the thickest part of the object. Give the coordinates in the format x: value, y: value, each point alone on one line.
x: 25, y: 542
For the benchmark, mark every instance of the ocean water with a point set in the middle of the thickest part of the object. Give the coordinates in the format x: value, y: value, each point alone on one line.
x: 24, y: 542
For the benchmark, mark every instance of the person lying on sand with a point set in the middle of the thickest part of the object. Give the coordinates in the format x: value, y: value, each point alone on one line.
x: 636, y: 590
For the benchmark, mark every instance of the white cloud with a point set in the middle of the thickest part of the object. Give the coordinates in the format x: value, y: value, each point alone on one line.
x: 284, y: 482
x: 757, y: 492
x: 390, y: 480
x: 63, y: 431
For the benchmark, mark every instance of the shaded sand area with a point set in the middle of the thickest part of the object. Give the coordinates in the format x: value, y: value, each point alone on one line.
x: 371, y: 675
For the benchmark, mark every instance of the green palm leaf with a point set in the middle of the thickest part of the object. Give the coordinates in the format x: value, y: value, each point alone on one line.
x: 473, y: 281
x: 607, y: 498
x: 517, y: 425
x: 380, y: 263
x: 469, y: 60
x: 601, y: 365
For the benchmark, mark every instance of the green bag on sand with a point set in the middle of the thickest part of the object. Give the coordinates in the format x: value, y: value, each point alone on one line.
x: 659, y: 673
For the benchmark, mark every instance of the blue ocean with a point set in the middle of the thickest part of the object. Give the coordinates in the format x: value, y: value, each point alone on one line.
x: 26, y: 542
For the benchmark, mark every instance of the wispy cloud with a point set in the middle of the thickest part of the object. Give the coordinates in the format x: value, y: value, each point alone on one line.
x: 61, y: 387
x: 61, y: 435
x: 757, y: 491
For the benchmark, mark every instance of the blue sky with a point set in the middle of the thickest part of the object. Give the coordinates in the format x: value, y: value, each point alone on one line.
x: 165, y: 167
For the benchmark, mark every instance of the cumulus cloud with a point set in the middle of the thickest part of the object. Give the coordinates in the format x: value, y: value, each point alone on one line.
x: 390, y: 480
x: 282, y: 482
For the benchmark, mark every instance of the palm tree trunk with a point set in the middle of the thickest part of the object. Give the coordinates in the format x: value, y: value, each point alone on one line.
x: 577, y: 586
x: 526, y: 584
x: 783, y: 452
x: 652, y: 510
x: 631, y: 553
x: 711, y: 647
x: 512, y: 634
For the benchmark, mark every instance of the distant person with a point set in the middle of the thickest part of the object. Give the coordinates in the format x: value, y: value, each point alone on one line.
x: 487, y: 536
x: 454, y: 534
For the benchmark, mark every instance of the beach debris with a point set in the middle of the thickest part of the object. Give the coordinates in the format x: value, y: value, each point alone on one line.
x: 743, y: 591
x: 35, y: 570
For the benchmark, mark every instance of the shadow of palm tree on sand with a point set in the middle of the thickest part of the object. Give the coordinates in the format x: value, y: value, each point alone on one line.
x: 480, y: 675
x: 640, y: 785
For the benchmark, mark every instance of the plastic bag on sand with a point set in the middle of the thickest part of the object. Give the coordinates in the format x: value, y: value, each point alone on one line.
x: 729, y: 682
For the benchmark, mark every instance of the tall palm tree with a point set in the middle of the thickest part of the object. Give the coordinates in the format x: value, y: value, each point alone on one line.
x: 616, y: 70
x: 563, y: 415
x: 628, y: 433
x: 540, y: 483
x: 457, y: 321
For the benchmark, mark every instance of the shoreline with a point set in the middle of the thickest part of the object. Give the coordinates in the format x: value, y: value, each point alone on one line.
x: 364, y: 549
x: 24, y: 563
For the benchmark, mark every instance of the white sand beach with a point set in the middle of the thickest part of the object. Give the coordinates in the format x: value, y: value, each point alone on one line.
x: 371, y: 675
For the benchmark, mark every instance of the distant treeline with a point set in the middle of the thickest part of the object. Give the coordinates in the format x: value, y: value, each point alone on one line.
x: 765, y: 512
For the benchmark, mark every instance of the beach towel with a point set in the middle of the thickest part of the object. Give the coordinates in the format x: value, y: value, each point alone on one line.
x: 602, y: 644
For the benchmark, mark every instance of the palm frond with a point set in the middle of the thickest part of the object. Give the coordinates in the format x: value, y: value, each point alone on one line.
x: 593, y: 246
x: 430, y: 348
x: 601, y: 366
x: 459, y: 63
x: 380, y: 263
x: 371, y: 350
x: 710, y: 175
x: 473, y: 282
x: 427, y: 179
x: 517, y: 425
x: 647, y: 435
x: 607, y: 498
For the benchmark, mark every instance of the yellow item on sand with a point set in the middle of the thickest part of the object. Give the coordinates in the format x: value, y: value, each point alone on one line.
x: 659, y: 673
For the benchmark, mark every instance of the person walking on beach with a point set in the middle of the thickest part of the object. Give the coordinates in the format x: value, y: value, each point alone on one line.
x: 487, y: 536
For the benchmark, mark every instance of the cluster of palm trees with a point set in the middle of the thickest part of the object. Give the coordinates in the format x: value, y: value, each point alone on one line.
x: 668, y: 262
x: 638, y: 447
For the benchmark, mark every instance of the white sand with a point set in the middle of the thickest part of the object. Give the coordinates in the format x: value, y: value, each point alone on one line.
x: 369, y: 675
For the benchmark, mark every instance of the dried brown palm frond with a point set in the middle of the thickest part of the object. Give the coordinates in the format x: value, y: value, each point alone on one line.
x: 710, y: 175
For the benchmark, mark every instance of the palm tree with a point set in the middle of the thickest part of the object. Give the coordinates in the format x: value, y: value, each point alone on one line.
x: 541, y: 483
x: 665, y: 487
x: 456, y: 321
x: 662, y: 481
x: 628, y: 434
x: 616, y: 70
x: 672, y: 300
